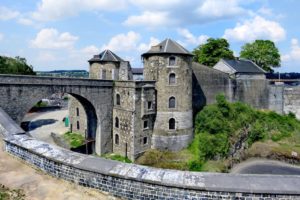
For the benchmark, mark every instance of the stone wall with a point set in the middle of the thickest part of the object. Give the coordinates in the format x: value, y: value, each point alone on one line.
x: 130, y: 181
x: 291, y: 100
x: 77, y: 116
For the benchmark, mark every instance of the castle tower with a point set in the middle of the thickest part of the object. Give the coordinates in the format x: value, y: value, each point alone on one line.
x: 108, y: 66
x: 169, y: 64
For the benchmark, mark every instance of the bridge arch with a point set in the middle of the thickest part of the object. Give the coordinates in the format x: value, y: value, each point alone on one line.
x: 18, y: 94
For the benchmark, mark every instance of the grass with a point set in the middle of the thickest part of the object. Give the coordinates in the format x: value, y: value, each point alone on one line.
x: 74, y: 139
x: 11, y: 194
x: 117, y: 157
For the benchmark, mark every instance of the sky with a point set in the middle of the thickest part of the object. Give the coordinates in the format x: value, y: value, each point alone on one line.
x: 64, y: 34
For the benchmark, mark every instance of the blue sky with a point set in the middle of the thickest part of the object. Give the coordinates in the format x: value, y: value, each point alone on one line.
x: 64, y: 34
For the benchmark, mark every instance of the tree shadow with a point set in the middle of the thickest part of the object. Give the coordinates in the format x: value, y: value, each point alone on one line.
x: 29, y: 126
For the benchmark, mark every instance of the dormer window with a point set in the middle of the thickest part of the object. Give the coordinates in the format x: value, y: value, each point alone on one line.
x: 172, y: 61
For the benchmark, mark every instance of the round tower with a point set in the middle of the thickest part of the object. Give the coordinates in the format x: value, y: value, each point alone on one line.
x: 169, y: 64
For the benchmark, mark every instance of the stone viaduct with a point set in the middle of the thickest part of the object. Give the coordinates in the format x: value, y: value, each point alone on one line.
x: 18, y: 94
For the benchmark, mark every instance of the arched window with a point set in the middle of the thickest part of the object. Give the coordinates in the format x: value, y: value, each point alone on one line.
x: 77, y: 111
x: 78, y: 125
x: 172, y: 124
x: 118, y: 99
x: 116, y: 139
x: 117, y: 122
x: 172, y: 79
x: 172, y: 102
x: 172, y: 61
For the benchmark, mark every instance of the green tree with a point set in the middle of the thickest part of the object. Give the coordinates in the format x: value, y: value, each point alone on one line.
x: 211, y: 52
x: 17, y: 65
x: 263, y: 52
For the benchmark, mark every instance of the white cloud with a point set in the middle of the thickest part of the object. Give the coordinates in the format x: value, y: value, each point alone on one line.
x: 166, y: 13
x: 51, y: 39
x: 294, y: 54
x: 143, y: 47
x: 256, y: 28
x: 25, y: 21
x: 7, y: 14
x: 53, y: 9
x: 90, y: 50
x: 150, y: 19
x: 46, y: 57
x: 219, y: 8
x: 123, y: 42
x: 189, y: 38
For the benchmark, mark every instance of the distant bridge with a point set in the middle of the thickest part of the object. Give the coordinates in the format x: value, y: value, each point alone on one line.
x: 18, y: 94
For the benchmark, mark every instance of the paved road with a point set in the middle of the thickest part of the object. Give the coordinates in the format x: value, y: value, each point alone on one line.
x: 261, y: 166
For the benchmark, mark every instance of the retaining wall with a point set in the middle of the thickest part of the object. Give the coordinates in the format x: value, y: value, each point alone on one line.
x: 130, y: 181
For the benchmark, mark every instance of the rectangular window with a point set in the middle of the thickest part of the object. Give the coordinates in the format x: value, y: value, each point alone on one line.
x: 103, y: 75
x: 146, y: 126
x: 150, y: 105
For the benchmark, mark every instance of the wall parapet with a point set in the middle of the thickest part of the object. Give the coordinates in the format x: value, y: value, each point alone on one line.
x: 134, y: 181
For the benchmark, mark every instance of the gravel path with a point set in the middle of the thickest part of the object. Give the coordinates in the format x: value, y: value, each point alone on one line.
x: 42, y: 124
x: 37, y: 185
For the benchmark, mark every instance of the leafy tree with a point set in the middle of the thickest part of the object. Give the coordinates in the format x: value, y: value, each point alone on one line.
x: 211, y: 52
x: 17, y: 65
x: 263, y: 52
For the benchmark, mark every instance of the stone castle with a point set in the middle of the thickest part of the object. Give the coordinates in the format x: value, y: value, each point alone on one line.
x: 154, y: 107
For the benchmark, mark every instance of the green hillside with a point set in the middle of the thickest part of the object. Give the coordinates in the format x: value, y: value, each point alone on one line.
x: 16, y: 65
x: 228, y: 133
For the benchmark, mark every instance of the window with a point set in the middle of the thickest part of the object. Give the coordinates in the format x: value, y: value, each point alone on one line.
x: 116, y: 139
x: 172, y: 124
x: 172, y: 79
x: 117, y: 122
x: 172, y: 61
x: 103, y: 74
x: 172, y: 102
x: 146, y: 124
x: 145, y: 140
x: 113, y: 74
x: 118, y: 99
x: 77, y: 111
x: 150, y: 105
x: 78, y: 125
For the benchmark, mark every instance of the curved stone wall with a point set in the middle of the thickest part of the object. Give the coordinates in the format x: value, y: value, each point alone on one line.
x: 131, y: 181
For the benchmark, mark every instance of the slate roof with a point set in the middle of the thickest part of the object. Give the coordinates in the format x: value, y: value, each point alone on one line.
x: 243, y: 66
x: 137, y: 70
x: 167, y: 46
x: 106, y: 55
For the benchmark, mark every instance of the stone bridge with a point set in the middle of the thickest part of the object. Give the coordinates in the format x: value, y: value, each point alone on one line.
x: 18, y: 94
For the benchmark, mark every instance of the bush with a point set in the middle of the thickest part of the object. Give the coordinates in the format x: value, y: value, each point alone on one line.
x: 74, y: 139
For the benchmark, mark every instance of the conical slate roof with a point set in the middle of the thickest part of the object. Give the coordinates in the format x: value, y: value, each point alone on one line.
x: 105, y: 56
x: 167, y: 46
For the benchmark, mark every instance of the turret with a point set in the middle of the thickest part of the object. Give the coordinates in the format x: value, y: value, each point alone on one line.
x: 169, y: 64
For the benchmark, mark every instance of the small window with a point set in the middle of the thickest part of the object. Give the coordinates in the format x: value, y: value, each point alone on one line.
x: 118, y: 99
x: 150, y: 105
x: 78, y: 125
x: 172, y: 124
x: 145, y: 140
x: 103, y: 74
x: 172, y: 61
x: 77, y: 111
x: 117, y: 122
x: 116, y: 139
x: 172, y: 102
x: 172, y: 79
x: 146, y: 124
